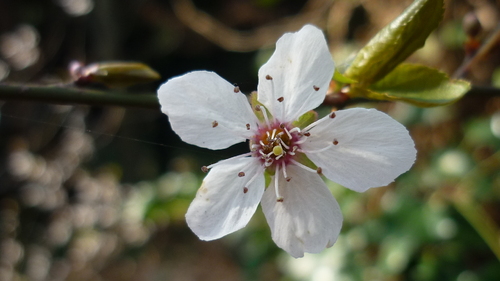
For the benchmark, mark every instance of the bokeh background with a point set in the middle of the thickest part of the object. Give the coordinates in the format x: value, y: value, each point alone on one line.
x: 100, y: 193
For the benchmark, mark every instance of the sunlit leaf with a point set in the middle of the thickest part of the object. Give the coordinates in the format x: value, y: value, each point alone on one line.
x: 395, y: 42
x: 114, y: 74
x: 416, y: 84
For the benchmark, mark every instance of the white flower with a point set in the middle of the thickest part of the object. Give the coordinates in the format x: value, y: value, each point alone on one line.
x: 357, y: 148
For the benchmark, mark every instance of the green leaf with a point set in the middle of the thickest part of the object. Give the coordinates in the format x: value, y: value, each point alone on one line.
x: 416, y: 84
x: 115, y: 74
x: 339, y: 77
x: 306, y: 119
x: 395, y: 42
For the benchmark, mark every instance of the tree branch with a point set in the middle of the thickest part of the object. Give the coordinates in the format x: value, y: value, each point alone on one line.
x: 65, y: 94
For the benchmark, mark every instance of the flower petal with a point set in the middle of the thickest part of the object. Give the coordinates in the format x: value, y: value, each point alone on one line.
x: 226, y: 201
x: 308, y: 219
x: 371, y: 149
x: 204, y: 110
x: 301, y: 69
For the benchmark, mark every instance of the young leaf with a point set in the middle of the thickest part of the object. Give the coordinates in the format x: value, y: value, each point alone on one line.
x: 113, y: 74
x: 395, y: 42
x: 416, y: 84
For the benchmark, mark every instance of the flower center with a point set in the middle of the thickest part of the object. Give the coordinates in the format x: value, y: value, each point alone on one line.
x: 275, y: 144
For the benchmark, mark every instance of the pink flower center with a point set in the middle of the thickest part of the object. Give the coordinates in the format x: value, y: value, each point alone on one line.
x: 275, y: 144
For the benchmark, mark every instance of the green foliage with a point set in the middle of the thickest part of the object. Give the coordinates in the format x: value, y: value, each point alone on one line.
x: 416, y: 84
x: 377, y: 73
x: 393, y: 44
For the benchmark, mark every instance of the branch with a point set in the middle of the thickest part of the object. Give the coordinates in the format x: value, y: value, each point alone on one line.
x: 71, y: 95
x: 68, y: 94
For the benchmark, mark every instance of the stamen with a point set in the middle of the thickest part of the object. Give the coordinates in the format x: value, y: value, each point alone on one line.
x: 303, y: 166
x: 335, y: 142
x: 248, y: 126
x: 236, y: 89
x: 280, y: 99
x: 245, y: 190
x: 286, y: 131
x: 306, y: 134
x: 316, y: 151
x: 225, y: 160
x: 319, y: 170
x: 268, y: 77
x: 259, y: 172
x: 314, y: 124
x: 241, y: 174
x: 279, y: 198
x: 316, y: 88
x: 284, y: 172
x: 295, y: 129
x: 265, y: 115
x: 283, y: 144
x: 215, y: 124
x: 204, y: 169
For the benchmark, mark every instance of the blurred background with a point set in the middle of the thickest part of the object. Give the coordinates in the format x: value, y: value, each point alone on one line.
x: 100, y: 193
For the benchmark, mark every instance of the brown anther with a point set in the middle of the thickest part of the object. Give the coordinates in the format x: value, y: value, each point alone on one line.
x: 236, y: 89
x: 257, y: 108
x: 268, y: 77
x: 245, y: 190
x: 288, y: 178
x: 204, y: 169
x: 307, y: 134
x: 215, y: 124
x: 316, y: 88
x: 280, y: 99
x: 279, y: 200
x: 248, y: 126
x: 332, y: 114
x: 319, y: 170
x: 335, y: 141
x: 241, y: 174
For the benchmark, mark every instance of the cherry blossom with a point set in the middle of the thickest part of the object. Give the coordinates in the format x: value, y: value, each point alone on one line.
x: 357, y: 148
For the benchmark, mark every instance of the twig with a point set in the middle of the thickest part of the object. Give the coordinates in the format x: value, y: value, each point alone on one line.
x: 246, y: 41
x: 72, y: 95
x: 485, y: 49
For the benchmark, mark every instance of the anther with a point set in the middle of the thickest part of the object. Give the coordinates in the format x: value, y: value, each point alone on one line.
x: 241, y: 174
x: 248, y: 126
x: 280, y: 200
x: 307, y: 134
x: 332, y: 115
x: 215, y: 124
x: 335, y: 141
x: 236, y: 89
x: 280, y: 99
x: 257, y: 108
x: 316, y: 88
x: 268, y: 77
x: 282, y: 126
x: 288, y: 178
x: 245, y: 190
x: 204, y: 169
x: 319, y: 170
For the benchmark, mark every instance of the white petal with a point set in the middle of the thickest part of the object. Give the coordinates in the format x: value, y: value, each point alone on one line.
x: 204, y: 110
x: 300, y: 64
x: 308, y: 219
x: 373, y: 149
x: 222, y: 204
